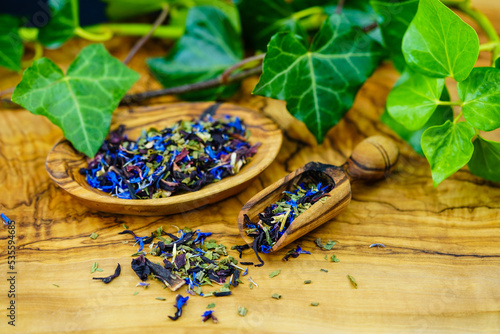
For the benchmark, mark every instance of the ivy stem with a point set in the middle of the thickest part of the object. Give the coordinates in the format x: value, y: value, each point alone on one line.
x: 38, y: 54
x: 138, y: 29
x: 450, y: 103
x: 216, y: 82
x: 161, y: 18
x: 105, y: 35
x: 225, y: 75
x: 485, y: 24
x: 308, y: 12
x: 455, y: 120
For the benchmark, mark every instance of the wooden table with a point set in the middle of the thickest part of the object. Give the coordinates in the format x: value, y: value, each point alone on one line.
x: 439, y: 271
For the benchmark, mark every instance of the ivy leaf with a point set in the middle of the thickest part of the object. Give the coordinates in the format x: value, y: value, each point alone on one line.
x: 439, y: 44
x: 319, y: 83
x: 394, y: 19
x: 63, y: 22
x: 80, y: 102
x: 447, y: 147
x: 480, y: 94
x: 442, y: 114
x: 485, y: 161
x: 497, y: 63
x: 209, y: 46
x: 261, y: 19
x: 11, y: 45
x: 413, y: 101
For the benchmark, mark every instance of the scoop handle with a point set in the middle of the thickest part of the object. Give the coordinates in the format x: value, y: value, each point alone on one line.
x: 372, y: 159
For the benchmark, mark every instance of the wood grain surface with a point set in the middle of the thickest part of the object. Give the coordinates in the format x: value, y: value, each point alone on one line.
x: 439, y: 271
x: 64, y: 162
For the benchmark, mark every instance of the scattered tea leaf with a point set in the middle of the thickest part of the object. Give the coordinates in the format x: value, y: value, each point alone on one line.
x: 335, y: 259
x: 276, y: 296
x: 94, y: 268
x: 125, y: 226
x: 307, y: 281
x: 211, y: 305
x: 135, y: 293
x: 242, y: 311
x: 275, y: 273
x: 319, y: 243
x: 94, y: 235
x: 314, y: 304
x: 55, y: 285
x: 329, y: 245
x: 110, y: 277
x: 160, y: 298
x: 353, y: 281
x: 324, y: 270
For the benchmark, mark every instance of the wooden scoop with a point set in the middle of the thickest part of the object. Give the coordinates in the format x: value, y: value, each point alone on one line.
x: 373, y: 159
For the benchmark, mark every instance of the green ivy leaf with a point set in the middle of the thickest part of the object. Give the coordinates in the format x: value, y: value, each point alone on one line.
x: 63, y: 22
x: 485, y: 161
x: 80, y: 102
x: 413, y: 101
x: 442, y: 114
x: 209, y: 46
x: 319, y: 83
x: 439, y: 44
x: 480, y: 94
x: 11, y: 45
x: 261, y: 19
x: 394, y: 19
x: 447, y: 147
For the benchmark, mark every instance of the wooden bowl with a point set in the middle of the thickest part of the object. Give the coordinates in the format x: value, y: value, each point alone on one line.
x: 64, y: 162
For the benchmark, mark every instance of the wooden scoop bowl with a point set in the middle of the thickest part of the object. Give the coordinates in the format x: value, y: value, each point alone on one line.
x: 373, y: 159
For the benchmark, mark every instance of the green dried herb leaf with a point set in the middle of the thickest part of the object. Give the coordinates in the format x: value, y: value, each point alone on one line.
x: 211, y: 305
x: 135, y: 293
x: 125, y: 226
x: 324, y: 270
x: 319, y: 243
x: 99, y: 270
x: 94, y: 235
x: 55, y: 285
x: 242, y: 311
x: 160, y: 298
x: 448, y: 148
x: 275, y: 273
x: 353, y: 281
x: 439, y: 44
x: 11, y: 45
x: 394, y: 19
x: 480, y: 94
x: 307, y: 281
x: 80, y: 102
x: 94, y: 268
x: 302, y: 75
x: 314, y: 304
x: 208, y: 31
x: 276, y: 296
x: 329, y: 245
x: 63, y: 22
x: 414, y: 99
x: 485, y: 161
x: 335, y: 259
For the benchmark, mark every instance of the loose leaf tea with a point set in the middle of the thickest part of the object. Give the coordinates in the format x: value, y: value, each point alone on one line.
x: 314, y: 304
x: 179, y: 303
x: 183, y: 157
x: 275, y: 273
x: 277, y: 217
x: 209, y: 315
x: 242, y: 311
x: 110, y: 277
x: 295, y: 253
x: 335, y: 259
x: 94, y: 235
x: 276, y: 296
x: 353, y: 281
x: 211, y: 305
